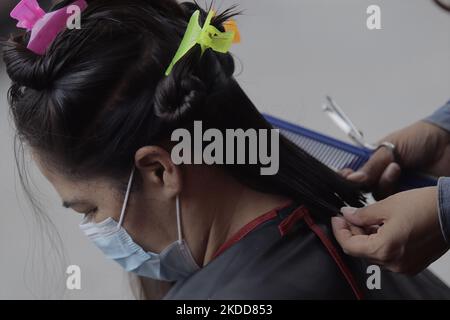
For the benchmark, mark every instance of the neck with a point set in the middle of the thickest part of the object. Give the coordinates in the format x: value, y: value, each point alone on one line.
x: 225, y: 206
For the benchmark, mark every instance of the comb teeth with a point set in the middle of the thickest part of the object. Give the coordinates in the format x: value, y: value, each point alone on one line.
x: 338, y: 155
x: 329, y: 155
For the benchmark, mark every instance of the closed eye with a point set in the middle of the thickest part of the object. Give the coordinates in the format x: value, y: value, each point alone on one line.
x: 91, y: 212
x: 80, y: 207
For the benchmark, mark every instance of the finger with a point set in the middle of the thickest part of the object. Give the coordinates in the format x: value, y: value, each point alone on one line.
x: 370, y: 173
x: 346, y: 172
x: 388, y: 181
x: 371, y: 229
x: 354, y: 245
x: 361, y: 230
x: 363, y: 217
x: 341, y: 229
x: 356, y: 231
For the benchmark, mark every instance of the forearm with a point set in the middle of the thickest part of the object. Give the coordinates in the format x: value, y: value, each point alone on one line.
x: 441, y: 117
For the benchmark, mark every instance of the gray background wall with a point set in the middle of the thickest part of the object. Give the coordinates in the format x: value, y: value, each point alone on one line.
x: 293, y: 53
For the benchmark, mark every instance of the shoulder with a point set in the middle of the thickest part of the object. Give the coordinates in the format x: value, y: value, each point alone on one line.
x: 272, y: 262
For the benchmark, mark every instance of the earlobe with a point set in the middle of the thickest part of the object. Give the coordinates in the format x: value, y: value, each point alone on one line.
x: 156, y: 167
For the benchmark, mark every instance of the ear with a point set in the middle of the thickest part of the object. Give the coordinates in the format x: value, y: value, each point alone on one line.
x: 158, y: 170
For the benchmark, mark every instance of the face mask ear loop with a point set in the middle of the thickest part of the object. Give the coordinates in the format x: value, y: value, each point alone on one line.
x: 180, y: 236
x: 125, y: 202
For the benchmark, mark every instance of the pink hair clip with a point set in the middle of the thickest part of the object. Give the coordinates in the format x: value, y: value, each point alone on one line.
x: 44, y: 27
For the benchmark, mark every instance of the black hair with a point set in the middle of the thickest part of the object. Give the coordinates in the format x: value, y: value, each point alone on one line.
x: 100, y: 93
x: 443, y: 5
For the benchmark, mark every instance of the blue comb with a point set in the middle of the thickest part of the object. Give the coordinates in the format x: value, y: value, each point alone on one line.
x: 338, y: 155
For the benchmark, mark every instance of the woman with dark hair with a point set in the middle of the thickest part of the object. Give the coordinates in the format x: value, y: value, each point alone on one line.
x: 97, y: 111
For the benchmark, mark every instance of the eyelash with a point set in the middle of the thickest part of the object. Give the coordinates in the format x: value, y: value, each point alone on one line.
x: 92, y: 211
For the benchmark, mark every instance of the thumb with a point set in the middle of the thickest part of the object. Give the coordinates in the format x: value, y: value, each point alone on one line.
x: 370, y: 174
x: 363, y: 217
x: 388, y: 183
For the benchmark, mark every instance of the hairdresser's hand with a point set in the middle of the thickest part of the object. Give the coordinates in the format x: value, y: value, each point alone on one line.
x: 401, y: 233
x: 421, y: 146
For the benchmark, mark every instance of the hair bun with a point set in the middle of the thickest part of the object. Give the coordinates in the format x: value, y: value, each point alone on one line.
x: 24, y: 67
x: 175, y: 98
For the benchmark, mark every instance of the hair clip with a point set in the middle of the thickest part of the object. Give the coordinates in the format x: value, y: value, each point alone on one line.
x: 44, y: 27
x: 208, y: 37
x: 231, y: 26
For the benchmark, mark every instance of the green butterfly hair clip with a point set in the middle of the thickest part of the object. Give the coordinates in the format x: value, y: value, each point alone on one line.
x: 208, y: 37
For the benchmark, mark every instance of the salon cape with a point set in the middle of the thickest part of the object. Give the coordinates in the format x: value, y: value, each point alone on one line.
x: 286, y: 254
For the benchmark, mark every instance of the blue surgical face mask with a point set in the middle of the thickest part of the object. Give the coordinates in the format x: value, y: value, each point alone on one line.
x: 174, y: 263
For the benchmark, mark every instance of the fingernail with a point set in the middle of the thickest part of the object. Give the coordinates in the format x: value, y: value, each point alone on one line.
x: 393, y: 172
x: 348, y: 210
x: 357, y: 176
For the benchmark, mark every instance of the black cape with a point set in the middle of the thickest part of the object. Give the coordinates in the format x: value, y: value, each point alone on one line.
x: 285, y: 254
